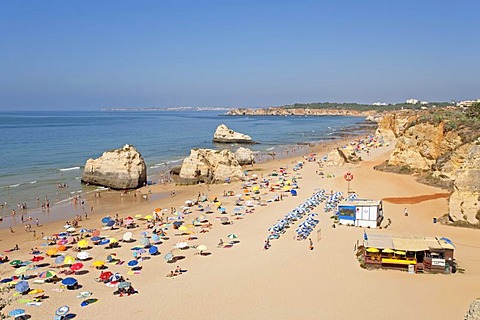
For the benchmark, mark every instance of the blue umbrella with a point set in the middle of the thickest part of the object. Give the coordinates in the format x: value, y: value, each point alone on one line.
x: 22, y: 286
x: 132, y: 263
x: 110, y: 223
x: 62, y: 311
x: 144, y: 233
x: 16, y: 313
x: 59, y: 259
x: 69, y: 281
x: 94, y: 239
x: 105, y: 220
x: 104, y: 241
x: 153, y: 250
x: 83, y: 230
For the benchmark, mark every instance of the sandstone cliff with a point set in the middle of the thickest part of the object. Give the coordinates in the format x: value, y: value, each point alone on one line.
x: 225, y: 135
x: 123, y: 168
x: 210, y: 166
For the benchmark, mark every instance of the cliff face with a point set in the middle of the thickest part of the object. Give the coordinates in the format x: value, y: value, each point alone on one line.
x: 431, y: 148
x: 123, y: 168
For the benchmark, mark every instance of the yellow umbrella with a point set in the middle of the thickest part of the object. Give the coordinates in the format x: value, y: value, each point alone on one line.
x: 256, y: 188
x: 387, y: 250
x: 83, y: 243
x: 113, y: 240
x: 286, y: 188
x: 402, y: 253
x: 372, y: 250
x: 149, y: 217
x: 51, y: 252
x: 138, y: 216
x: 218, y: 204
x: 183, y: 228
x: 98, y: 263
x: 69, y: 260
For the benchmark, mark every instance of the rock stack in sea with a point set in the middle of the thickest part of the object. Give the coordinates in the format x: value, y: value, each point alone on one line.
x: 210, y: 166
x: 225, y: 135
x: 122, y: 168
x: 244, y: 156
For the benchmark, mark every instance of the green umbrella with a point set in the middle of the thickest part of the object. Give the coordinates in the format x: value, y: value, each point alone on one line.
x: 232, y: 236
x: 16, y: 262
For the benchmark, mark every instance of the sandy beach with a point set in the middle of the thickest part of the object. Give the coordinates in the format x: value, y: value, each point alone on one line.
x: 244, y: 281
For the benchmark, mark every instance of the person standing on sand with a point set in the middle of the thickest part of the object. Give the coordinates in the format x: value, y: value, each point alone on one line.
x: 406, y: 212
x: 311, y: 243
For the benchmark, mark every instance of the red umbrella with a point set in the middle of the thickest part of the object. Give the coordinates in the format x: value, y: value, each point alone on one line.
x: 105, y: 275
x: 37, y: 258
x: 62, y: 241
x: 96, y: 233
x: 76, y: 266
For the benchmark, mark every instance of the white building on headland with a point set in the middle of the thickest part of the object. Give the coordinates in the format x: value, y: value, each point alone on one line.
x: 379, y: 104
x: 412, y: 101
x: 467, y: 103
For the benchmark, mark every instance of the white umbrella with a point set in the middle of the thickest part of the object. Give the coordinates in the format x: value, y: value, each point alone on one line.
x: 202, y: 247
x: 127, y: 236
x: 181, y: 245
x: 83, y: 255
x: 71, y: 229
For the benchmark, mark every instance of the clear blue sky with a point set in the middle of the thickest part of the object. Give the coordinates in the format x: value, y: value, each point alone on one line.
x: 93, y: 54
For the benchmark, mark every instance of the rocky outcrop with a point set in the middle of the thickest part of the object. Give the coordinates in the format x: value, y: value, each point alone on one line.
x: 210, y: 166
x: 465, y: 200
x: 473, y: 312
x: 421, y: 145
x: 244, y: 156
x: 122, y: 168
x: 392, y: 125
x: 225, y: 135
x: 341, y: 156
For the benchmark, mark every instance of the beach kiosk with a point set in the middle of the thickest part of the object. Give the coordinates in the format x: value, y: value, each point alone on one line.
x: 360, y: 213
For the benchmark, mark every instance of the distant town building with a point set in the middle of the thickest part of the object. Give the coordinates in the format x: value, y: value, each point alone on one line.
x: 467, y: 103
x: 412, y: 101
x: 379, y: 104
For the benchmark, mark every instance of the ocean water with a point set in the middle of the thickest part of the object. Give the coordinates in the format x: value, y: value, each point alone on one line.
x: 42, y: 149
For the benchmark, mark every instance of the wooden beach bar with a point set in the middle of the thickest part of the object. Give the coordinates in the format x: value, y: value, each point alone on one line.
x: 409, y: 253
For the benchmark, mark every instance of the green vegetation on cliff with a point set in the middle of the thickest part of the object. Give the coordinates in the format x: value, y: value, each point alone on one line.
x: 363, y: 107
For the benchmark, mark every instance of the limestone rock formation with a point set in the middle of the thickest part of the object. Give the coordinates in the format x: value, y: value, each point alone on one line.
x: 210, y: 166
x: 122, y: 168
x: 392, y: 125
x: 341, y: 156
x: 244, y: 156
x: 473, y: 312
x: 420, y: 146
x: 225, y: 135
x: 465, y: 200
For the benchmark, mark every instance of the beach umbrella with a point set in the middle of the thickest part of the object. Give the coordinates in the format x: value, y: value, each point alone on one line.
x: 21, y: 270
x: 22, y: 286
x: 232, y: 236
x: 387, y: 250
x: 82, y: 255
x: 95, y: 239
x: 169, y: 256
x: 69, y: 281
x: 6, y: 280
x: 17, y: 313
x: 106, y: 219
x: 223, y: 219
x: 47, y: 274
x: 202, y: 247
x: 153, y: 250
x: 145, y: 242
x: 127, y: 236
x: 111, y: 223
x: 181, y: 245
x: 16, y: 263
x: 37, y: 258
x: 61, y: 248
x: 69, y: 260
x: 183, y: 228
x: 62, y: 311
x: 113, y: 240
x: 98, y: 263
x: 132, y: 263
x: 127, y: 221
x: 60, y: 259
x: 96, y: 233
x: 76, y: 266
x: 149, y: 217
x: 124, y: 285
x: 157, y: 210
x: 83, y: 230
x: 83, y: 243
x: 115, y: 277
x: 104, y: 276
x: 155, y: 238
x: 35, y: 291
x: 372, y: 250
x: 26, y: 263
x: 71, y: 229
x: 104, y: 242
x: 51, y: 252
x: 138, y: 216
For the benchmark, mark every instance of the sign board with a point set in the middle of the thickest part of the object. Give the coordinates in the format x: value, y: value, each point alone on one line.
x: 438, y: 262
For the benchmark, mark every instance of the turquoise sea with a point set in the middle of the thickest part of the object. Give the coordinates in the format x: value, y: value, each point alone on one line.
x: 42, y: 149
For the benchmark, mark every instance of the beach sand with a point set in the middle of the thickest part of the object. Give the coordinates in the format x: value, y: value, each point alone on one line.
x: 288, y: 281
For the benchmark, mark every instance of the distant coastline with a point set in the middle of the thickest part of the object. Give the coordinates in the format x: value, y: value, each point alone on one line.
x: 150, y: 109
